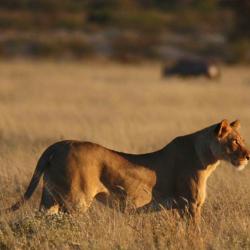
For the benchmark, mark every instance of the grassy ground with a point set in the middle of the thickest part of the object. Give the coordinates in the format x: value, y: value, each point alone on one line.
x: 129, y: 108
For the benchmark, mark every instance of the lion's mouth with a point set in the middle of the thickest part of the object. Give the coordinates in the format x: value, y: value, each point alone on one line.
x: 240, y: 164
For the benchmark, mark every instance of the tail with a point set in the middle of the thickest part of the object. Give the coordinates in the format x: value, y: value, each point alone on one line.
x: 41, y: 166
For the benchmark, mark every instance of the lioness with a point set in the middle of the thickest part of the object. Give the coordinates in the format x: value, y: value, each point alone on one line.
x: 76, y: 172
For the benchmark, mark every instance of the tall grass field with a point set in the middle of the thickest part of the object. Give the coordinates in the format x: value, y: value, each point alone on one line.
x: 129, y: 108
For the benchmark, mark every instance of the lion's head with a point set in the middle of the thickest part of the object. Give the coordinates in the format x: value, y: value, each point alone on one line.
x: 229, y: 145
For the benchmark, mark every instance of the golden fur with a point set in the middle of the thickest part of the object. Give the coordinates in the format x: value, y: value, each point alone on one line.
x: 76, y: 172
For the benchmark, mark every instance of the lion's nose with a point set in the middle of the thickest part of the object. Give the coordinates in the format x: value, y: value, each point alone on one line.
x: 247, y: 157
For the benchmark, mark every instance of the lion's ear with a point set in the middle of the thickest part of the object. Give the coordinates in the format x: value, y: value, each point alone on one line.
x: 222, y: 129
x: 235, y: 124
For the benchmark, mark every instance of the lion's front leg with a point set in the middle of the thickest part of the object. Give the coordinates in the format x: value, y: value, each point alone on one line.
x: 194, y: 210
x: 188, y: 203
x: 190, y: 196
x: 189, y: 208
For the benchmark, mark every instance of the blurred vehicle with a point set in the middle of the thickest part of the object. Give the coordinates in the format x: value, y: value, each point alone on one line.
x: 192, y: 67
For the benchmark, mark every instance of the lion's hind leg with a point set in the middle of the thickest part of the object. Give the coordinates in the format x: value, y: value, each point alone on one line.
x: 115, y: 198
x: 80, y: 199
x: 48, y: 202
x: 139, y: 196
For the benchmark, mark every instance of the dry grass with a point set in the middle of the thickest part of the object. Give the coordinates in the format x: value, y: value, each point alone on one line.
x: 128, y: 108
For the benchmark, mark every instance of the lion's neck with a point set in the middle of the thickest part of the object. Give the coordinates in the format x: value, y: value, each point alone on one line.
x: 204, y: 152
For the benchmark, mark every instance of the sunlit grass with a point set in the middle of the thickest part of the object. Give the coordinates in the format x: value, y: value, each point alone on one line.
x: 130, y: 108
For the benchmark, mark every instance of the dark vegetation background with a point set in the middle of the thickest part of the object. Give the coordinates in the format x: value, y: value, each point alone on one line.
x: 126, y: 30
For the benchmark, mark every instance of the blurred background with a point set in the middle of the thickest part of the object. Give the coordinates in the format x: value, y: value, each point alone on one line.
x: 126, y: 30
x: 93, y: 70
